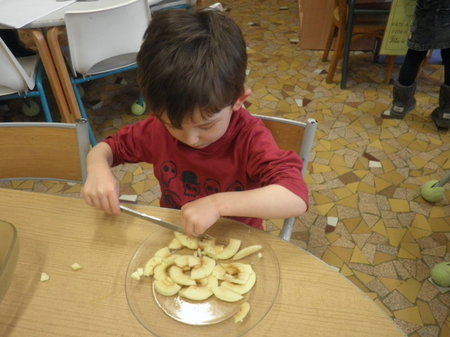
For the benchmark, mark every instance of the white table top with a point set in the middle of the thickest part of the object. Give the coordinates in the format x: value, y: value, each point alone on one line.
x: 55, y: 9
x: 56, y: 18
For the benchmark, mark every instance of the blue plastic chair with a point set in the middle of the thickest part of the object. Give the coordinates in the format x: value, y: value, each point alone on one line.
x: 104, y: 42
x: 22, y: 77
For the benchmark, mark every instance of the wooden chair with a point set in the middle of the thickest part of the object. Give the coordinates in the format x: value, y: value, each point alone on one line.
x: 44, y: 151
x: 364, y: 26
x: 295, y: 136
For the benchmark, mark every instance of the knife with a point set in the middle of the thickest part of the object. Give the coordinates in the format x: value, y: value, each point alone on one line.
x: 160, y: 222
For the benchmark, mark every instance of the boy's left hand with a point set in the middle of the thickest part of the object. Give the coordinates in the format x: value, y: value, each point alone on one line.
x: 199, y: 215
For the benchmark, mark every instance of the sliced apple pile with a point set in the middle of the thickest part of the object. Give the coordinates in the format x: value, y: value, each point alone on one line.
x: 204, y: 273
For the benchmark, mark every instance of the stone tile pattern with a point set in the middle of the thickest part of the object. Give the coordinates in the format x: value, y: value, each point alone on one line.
x: 366, y: 171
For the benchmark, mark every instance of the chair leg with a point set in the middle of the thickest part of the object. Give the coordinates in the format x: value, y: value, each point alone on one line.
x: 42, y: 96
x: 63, y: 75
x: 331, y: 36
x: 389, y: 69
x: 286, y: 231
x: 52, y: 75
x: 338, y: 49
x: 84, y: 113
x: 376, y: 52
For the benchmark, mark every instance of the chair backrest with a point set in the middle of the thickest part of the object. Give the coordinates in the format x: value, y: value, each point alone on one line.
x: 377, y: 22
x: 113, y: 35
x: 295, y: 136
x: 12, y: 75
x: 157, y: 5
x: 44, y: 151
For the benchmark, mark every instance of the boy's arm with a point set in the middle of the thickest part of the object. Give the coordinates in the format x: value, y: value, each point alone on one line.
x: 101, y: 189
x: 272, y: 201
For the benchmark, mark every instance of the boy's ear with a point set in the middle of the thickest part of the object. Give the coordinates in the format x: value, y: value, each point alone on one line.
x: 241, y: 100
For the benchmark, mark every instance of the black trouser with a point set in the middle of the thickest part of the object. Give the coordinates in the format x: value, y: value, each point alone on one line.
x: 413, y: 60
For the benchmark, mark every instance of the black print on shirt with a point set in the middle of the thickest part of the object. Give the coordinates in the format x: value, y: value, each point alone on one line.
x: 236, y: 186
x: 190, y: 184
x: 211, y: 186
x: 171, y: 199
x: 168, y: 172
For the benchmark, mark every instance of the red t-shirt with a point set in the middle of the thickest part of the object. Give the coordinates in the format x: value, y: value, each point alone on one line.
x: 244, y: 158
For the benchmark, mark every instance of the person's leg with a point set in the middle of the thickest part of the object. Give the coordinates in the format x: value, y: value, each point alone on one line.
x: 405, y: 87
x: 445, y: 53
x: 12, y: 40
x: 410, y: 67
x: 441, y: 115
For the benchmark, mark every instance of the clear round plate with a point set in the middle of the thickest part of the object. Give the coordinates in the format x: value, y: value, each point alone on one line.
x: 169, y: 316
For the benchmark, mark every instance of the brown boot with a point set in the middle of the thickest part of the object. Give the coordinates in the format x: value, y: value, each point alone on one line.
x: 441, y: 115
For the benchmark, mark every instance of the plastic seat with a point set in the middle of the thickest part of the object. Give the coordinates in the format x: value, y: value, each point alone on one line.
x: 295, y: 136
x: 104, y: 42
x: 44, y: 151
x: 22, y: 77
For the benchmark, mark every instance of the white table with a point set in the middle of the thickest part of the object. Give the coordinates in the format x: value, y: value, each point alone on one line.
x: 56, y: 18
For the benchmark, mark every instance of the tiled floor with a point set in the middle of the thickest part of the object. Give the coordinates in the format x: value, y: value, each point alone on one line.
x: 367, y: 217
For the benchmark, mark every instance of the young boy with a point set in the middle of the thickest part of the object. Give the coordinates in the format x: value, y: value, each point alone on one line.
x: 211, y: 157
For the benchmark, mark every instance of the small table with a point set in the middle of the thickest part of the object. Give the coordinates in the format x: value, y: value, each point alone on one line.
x: 56, y: 231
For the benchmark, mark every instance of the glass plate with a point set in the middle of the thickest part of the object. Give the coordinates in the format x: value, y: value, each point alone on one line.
x: 169, y: 316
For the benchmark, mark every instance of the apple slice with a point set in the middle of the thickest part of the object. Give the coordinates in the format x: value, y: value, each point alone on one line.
x: 226, y: 294
x: 246, y: 252
x: 175, y: 244
x: 219, y: 272
x: 44, y: 277
x: 196, y: 293
x: 237, y: 272
x: 213, y: 250
x: 160, y: 271
x: 76, y: 266
x: 204, y: 269
x: 230, y: 250
x: 162, y: 252
x: 187, y: 241
x: 166, y: 287
x: 210, y: 282
x: 151, y: 264
x: 242, y: 313
x: 178, y: 276
x: 241, y: 288
x: 135, y: 276
x: 187, y: 261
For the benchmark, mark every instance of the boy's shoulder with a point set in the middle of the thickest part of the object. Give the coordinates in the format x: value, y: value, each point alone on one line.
x: 244, y: 118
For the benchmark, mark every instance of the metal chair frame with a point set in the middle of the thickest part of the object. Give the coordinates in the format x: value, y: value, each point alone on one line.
x: 298, y: 137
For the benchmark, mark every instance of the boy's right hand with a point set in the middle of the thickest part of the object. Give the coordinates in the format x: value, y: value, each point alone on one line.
x: 101, y: 190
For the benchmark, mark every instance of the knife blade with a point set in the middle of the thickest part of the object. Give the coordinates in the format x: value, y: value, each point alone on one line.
x: 159, y: 221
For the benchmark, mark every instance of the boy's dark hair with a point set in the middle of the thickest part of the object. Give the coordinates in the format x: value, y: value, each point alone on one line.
x: 189, y: 60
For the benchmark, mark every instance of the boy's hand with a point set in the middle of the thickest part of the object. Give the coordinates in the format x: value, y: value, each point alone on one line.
x: 101, y: 190
x: 199, y: 215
